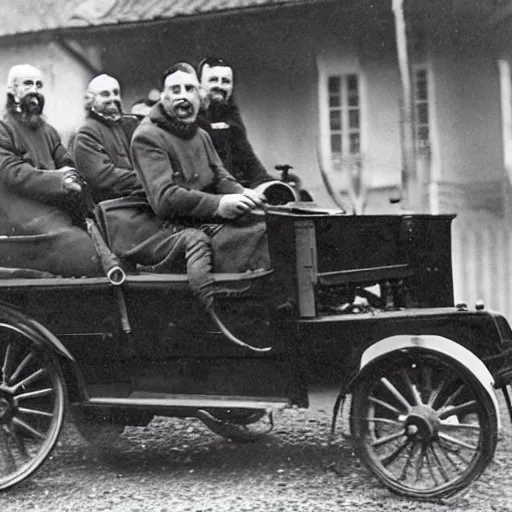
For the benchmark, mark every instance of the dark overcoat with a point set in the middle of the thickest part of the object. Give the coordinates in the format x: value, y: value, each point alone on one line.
x: 101, y: 150
x: 33, y: 204
x: 229, y: 136
x: 184, y: 180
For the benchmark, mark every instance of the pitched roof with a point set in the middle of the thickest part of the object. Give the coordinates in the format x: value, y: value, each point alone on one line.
x: 24, y: 16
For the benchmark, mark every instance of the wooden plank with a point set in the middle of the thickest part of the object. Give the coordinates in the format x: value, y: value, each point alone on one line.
x: 306, y: 266
x: 364, y: 275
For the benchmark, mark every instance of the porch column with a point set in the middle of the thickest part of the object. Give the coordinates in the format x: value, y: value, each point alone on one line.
x: 410, y: 193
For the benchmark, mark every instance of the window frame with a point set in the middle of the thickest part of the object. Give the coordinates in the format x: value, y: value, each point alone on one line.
x: 337, y: 66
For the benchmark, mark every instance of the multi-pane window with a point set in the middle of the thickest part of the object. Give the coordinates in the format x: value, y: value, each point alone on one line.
x: 344, y: 116
x: 421, y: 101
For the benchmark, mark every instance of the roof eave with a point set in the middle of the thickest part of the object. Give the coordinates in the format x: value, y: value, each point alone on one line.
x: 122, y: 25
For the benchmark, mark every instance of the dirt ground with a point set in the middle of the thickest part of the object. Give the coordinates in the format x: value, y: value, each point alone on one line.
x: 176, y: 465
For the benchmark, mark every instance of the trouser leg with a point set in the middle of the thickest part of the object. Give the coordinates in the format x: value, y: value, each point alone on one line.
x: 198, y: 256
x: 167, y: 251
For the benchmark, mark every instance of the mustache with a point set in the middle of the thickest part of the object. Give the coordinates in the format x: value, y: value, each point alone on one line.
x: 116, y: 104
x: 219, y: 90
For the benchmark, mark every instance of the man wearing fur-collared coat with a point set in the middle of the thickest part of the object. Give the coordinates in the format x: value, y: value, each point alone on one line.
x: 186, y: 183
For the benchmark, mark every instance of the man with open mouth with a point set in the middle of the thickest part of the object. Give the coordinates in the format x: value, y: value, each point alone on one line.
x: 188, y: 187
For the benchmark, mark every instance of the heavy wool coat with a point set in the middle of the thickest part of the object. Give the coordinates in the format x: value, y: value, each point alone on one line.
x: 183, y: 177
x: 33, y: 204
x: 101, y: 150
x: 184, y: 180
x: 229, y: 136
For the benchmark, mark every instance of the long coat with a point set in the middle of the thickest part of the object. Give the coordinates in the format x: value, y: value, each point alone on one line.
x: 184, y: 180
x: 183, y: 177
x: 101, y: 150
x: 33, y: 204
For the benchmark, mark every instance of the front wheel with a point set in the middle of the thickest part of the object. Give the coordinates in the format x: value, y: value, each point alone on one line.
x: 423, y: 424
x: 32, y: 404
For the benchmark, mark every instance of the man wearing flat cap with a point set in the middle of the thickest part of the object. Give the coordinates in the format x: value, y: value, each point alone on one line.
x: 40, y: 193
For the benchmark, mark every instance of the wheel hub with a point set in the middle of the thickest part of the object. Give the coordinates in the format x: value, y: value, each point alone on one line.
x: 422, y: 422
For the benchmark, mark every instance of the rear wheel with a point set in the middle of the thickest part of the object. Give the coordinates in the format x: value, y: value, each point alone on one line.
x: 424, y: 425
x: 32, y: 405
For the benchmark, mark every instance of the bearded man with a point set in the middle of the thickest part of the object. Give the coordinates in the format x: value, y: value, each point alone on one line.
x: 40, y: 193
x: 186, y: 183
x: 102, y: 144
x: 221, y: 118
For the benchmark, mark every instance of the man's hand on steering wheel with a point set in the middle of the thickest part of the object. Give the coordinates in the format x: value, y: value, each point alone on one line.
x: 232, y: 206
x: 255, y: 196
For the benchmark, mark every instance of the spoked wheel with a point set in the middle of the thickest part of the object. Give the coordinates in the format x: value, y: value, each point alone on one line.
x: 424, y: 425
x: 32, y: 404
x: 240, y: 425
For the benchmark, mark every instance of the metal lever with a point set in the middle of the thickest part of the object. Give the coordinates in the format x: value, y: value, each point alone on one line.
x: 284, y: 168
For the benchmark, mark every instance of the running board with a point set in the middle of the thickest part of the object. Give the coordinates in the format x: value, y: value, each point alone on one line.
x: 159, y: 400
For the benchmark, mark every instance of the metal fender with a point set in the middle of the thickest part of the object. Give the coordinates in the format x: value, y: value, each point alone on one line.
x: 437, y: 344
x: 12, y: 318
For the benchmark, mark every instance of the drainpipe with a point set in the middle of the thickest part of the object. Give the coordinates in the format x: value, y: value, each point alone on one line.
x: 409, y: 192
x: 506, y: 123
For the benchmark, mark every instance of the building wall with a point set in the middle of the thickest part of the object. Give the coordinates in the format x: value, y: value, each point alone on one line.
x: 468, y: 110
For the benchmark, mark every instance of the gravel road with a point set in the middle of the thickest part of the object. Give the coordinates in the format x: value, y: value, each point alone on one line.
x: 175, y: 465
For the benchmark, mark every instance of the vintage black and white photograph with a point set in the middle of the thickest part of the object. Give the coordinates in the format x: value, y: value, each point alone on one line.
x: 255, y: 255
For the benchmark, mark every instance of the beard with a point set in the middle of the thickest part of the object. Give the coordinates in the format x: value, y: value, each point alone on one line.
x: 217, y: 96
x: 30, y: 109
x: 217, y: 110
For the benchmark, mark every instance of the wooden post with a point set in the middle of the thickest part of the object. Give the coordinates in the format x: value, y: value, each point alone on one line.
x: 410, y: 194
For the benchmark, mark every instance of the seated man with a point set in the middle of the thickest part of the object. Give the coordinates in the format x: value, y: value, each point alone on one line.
x: 40, y: 196
x: 102, y: 144
x: 186, y: 183
x: 221, y: 118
